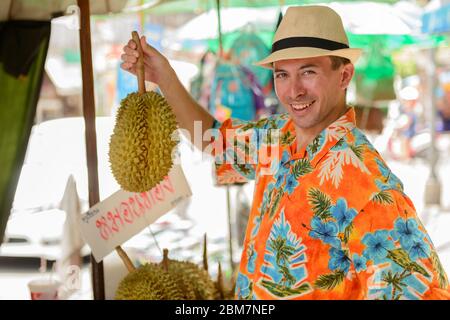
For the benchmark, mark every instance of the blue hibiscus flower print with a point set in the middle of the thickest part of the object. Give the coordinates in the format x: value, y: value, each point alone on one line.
x: 291, y: 184
x: 419, y: 249
x: 343, y: 215
x: 338, y: 260
x: 406, y: 231
x: 360, y: 262
x: 279, y: 179
x: 325, y: 231
x: 377, y: 246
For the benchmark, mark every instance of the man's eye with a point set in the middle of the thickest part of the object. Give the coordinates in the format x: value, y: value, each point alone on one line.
x: 281, y: 75
x: 308, y: 72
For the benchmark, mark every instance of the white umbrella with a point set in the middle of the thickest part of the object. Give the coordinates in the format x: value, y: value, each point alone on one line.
x: 358, y: 17
x: 379, y: 18
x: 204, y: 26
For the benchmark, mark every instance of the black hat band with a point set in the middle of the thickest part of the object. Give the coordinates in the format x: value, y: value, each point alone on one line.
x: 313, y: 42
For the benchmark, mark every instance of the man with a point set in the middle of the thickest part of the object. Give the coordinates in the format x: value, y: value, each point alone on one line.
x: 329, y: 219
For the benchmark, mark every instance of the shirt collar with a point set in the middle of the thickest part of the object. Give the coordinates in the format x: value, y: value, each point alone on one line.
x: 326, y: 140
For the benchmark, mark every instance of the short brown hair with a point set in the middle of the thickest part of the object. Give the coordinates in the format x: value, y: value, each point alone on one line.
x: 336, y: 62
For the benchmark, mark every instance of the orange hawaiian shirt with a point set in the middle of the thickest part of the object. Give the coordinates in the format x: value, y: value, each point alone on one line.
x: 328, y: 222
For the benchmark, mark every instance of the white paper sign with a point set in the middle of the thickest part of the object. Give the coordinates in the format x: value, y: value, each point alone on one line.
x: 124, y: 214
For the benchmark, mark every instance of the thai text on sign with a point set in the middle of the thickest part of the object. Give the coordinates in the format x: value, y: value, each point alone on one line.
x: 124, y: 214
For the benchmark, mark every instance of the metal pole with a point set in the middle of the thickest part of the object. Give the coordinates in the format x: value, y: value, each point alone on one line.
x: 433, y: 185
x: 98, y: 283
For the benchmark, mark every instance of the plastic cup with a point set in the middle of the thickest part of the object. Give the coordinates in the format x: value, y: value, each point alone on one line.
x: 44, y: 289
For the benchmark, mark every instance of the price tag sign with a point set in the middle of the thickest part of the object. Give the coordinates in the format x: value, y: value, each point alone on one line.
x: 124, y: 214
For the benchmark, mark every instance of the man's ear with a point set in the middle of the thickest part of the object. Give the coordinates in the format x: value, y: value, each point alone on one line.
x: 347, y: 74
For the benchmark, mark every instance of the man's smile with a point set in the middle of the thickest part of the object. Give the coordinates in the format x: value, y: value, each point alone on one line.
x: 299, y: 107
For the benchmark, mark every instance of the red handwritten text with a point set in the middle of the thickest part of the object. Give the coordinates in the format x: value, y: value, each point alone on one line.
x: 131, y: 209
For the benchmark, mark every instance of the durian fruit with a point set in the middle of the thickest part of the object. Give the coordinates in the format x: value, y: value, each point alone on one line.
x: 149, y: 282
x: 183, y: 283
x: 220, y: 294
x: 223, y: 292
x: 140, y: 149
x: 197, y: 278
x: 167, y: 280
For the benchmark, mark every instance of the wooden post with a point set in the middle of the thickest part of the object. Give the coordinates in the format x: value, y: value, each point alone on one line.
x: 98, y: 282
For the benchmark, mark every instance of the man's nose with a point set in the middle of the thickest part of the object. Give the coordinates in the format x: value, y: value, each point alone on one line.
x: 297, y: 88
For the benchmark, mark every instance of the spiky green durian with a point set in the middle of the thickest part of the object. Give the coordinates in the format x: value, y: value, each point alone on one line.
x: 140, y: 149
x: 199, y: 279
x: 178, y: 275
x: 149, y: 282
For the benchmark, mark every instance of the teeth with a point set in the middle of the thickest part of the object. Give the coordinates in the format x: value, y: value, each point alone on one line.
x: 301, y: 106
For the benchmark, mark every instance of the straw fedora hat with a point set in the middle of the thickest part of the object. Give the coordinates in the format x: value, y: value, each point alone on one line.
x: 310, y: 31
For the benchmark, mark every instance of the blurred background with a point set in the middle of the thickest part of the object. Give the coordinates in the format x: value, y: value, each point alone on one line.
x: 401, y: 92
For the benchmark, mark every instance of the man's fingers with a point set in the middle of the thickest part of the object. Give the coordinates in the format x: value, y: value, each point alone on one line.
x: 128, y: 67
x: 125, y: 66
x: 128, y: 58
x: 132, y: 44
x: 131, y: 52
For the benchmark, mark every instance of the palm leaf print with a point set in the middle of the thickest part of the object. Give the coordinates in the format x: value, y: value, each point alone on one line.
x: 259, y: 124
x: 282, y: 291
x: 301, y: 167
x: 320, y: 203
x: 315, y: 145
x: 287, y: 138
x: 358, y: 151
x: 401, y: 257
x: 282, y: 250
x: 275, y: 203
x: 382, y: 197
x: 347, y: 232
x: 396, y: 281
x: 329, y: 281
x: 442, y: 277
x: 284, y: 262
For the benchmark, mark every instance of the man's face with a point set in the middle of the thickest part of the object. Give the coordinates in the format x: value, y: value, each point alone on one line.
x: 311, y: 91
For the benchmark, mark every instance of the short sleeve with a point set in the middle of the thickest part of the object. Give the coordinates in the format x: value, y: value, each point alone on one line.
x: 234, y: 150
x: 391, y: 253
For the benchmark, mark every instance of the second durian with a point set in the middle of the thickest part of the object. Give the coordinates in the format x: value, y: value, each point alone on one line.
x: 167, y: 280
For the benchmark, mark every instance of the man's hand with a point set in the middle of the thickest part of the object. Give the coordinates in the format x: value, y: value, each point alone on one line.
x: 157, y: 67
x: 158, y: 70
